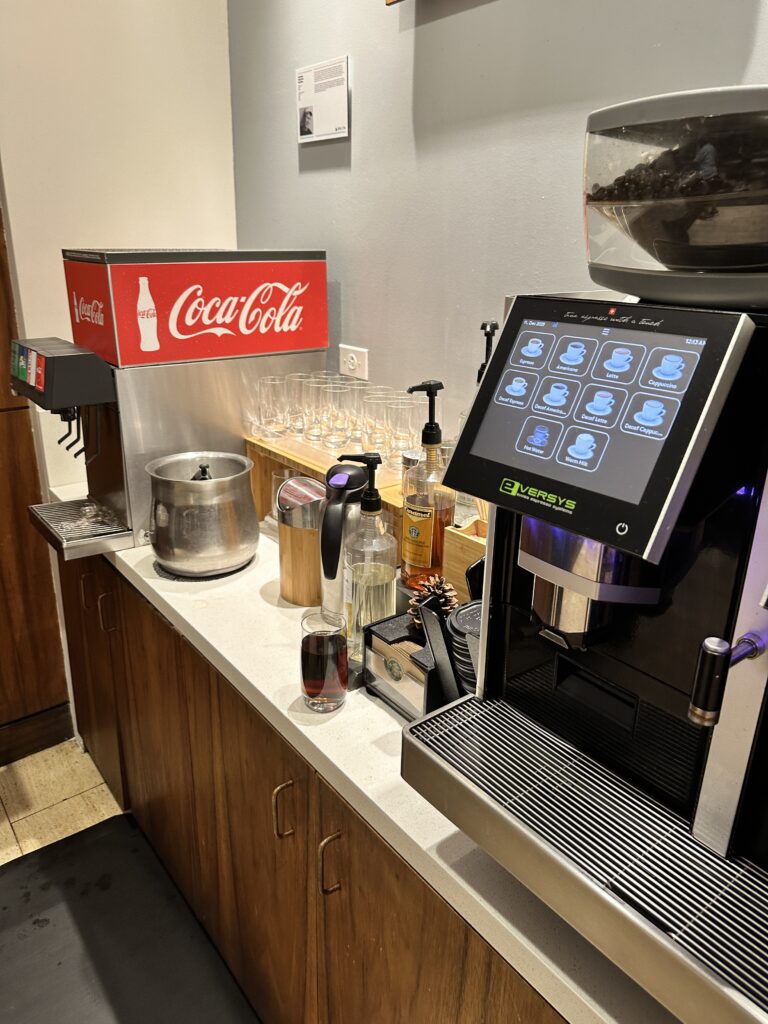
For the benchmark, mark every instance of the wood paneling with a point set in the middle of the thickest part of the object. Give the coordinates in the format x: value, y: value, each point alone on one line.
x: 8, y: 326
x: 267, y: 840
x: 26, y: 736
x: 31, y: 662
x: 394, y: 951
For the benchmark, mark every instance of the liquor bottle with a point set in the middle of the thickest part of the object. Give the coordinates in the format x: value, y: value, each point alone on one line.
x: 428, y: 506
x: 146, y: 315
x: 370, y: 562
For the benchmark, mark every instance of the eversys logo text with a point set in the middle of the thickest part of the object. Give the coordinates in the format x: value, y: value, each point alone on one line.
x: 536, y: 495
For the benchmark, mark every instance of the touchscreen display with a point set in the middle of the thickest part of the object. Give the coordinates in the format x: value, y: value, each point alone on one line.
x: 587, y: 405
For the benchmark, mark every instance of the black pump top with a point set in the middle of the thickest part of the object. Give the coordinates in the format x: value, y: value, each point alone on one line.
x: 431, y: 434
x: 489, y: 328
x: 371, y: 499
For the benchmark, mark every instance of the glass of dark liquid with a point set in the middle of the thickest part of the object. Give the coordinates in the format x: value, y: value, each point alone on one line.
x: 324, y: 671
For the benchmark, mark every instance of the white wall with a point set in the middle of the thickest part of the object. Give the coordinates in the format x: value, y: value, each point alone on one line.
x: 462, y: 178
x: 115, y: 130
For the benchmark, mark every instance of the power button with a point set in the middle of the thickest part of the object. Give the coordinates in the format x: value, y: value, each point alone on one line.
x: 622, y: 529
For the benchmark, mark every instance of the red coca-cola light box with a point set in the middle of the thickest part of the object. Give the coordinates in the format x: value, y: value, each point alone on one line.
x: 138, y: 307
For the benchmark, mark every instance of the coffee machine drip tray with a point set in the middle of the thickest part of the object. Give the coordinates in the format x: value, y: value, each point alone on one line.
x: 688, y: 926
x: 81, y: 527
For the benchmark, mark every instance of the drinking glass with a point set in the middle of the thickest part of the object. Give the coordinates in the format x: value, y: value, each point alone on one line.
x: 324, y: 666
x: 402, y: 434
x: 273, y: 406
x: 294, y: 384
x: 359, y: 389
x: 312, y: 391
x: 374, y: 432
x: 337, y: 403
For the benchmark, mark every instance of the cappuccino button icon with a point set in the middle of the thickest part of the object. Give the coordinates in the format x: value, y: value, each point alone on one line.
x: 670, y: 368
x: 652, y: 413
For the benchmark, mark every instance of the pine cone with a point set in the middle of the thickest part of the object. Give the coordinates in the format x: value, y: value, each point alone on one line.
x: 439, y: 586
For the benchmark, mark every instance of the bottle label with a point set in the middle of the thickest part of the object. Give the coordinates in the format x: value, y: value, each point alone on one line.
x: 418, y: 529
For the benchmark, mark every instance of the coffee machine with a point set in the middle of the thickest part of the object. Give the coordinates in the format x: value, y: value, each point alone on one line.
x: 614, y: 754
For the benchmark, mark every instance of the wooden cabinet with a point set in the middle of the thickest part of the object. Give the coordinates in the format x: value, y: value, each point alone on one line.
x: 318, y: 918
x: 90, y: 590
x: 394, y: 952
x: 31, y: 663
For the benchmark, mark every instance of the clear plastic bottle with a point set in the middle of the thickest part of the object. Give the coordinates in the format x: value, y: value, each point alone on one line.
x: 428, y: 505
x: 370, y: 563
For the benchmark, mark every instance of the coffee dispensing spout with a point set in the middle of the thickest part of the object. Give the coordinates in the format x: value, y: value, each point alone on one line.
x: 716, y: 658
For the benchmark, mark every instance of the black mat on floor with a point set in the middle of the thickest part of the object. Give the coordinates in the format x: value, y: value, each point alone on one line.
x: 93, y: 931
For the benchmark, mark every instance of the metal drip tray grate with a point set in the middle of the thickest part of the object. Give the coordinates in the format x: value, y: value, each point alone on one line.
x: 80, y: 528
x: 630, y: 847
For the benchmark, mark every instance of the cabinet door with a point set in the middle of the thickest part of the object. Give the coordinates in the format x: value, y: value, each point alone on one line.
x: 394, y: 951
x: 31, y: 661
x: 78, y: 599
x: 265, y: 789
x: 157, y: 745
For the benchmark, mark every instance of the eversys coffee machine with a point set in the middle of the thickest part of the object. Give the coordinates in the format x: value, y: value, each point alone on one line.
x: 614, y: 758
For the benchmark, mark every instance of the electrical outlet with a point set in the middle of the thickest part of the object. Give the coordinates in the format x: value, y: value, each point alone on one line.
x: 353, y: 361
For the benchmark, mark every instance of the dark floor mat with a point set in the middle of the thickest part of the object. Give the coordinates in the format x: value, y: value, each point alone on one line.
x: 93, y: 931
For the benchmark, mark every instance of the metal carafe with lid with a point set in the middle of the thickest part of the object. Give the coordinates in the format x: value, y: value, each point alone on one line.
x: 344, y: 486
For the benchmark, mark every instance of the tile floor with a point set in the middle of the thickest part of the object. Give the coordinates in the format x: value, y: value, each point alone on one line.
x: 48, y: 796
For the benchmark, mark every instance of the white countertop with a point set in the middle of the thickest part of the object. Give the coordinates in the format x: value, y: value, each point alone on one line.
x: 243, y: 627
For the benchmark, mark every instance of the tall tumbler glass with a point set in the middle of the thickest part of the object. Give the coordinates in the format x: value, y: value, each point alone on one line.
x: 402, y: 436
x: 294, y: 384
x: 336, y: 415
x: 359, y: 389
x: 312, y: 391
x: 374, y: 432
x: 273, y: 406
x: 324, y: 665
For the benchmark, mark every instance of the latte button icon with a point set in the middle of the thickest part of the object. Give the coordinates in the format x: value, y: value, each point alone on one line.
x: 652, y: 413
x: 670, y: 368
x: 583, y: 447
x: 620, y: 361
x: 534, y: 348
x: 517, y: 387
x: 574, y: 354
x: 540, y: 436
x: 602, y: 403
x: 557, y: 394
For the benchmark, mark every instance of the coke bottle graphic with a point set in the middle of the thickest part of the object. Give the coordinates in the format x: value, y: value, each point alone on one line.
x: 146, y: 315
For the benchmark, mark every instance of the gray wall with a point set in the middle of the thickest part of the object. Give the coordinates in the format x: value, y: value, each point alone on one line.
x: 462, y: 178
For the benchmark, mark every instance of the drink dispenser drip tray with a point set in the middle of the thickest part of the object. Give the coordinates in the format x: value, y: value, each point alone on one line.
x: 81, y: 527
x: 688, y: 926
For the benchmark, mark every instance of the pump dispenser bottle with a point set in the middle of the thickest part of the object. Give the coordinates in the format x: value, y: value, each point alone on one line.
x: 370, y: 563
x: 428, y: 506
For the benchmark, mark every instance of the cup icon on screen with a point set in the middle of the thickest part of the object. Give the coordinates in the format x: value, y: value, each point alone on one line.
x: 517, y: 387
x: 557, y: 394
x: 574, y: 354
x: 583, y: 447
x: 540, y: 436
x: 534, y: 348
x: 652, y: 413
x: 671, y: 367
x: 602, y: 403
x: 620, y: 361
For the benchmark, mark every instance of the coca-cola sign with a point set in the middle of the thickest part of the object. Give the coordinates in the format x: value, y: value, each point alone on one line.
x: 272, y: 306
x: 183, y: 311
x: 92, y: 311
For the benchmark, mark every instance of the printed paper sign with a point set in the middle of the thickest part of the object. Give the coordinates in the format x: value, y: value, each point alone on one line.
x: 322, y: 101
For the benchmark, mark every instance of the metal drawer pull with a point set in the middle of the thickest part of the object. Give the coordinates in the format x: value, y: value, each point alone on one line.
x: 99, y: 609
x: 83, y: 577
x: 275, y: 817
x: 326, y: 890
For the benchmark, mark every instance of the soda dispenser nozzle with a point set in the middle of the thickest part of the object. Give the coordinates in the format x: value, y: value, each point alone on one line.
x: 371, y: 499
x: 489, y: 328
x: 431, y: 434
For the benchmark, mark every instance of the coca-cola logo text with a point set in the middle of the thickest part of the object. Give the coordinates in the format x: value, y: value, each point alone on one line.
x: 270, y: 307
x: 92, y: 312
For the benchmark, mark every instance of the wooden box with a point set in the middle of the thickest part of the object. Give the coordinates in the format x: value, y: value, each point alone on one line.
x: 463, y: 546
